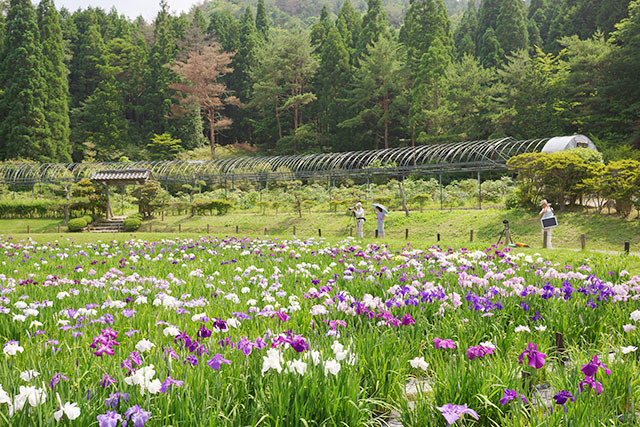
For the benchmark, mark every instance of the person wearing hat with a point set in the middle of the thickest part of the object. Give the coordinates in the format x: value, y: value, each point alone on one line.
x: 546, y: 212
x: 359, y: 214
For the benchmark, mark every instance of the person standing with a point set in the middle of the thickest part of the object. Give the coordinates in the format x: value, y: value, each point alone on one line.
x: 380, y: 216
x: 546, y: 212
x: 359, y: 214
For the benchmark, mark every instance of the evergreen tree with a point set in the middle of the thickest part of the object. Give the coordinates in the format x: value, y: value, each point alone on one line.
x: 333, y: 77
x: 374, y: 24
x: 225, y: 28
x: 246, y: 55
x: 535, y: 40
x: 623, y: 90
x: 87, y: 58
x: 377, y: 94
x: 262, y: 22
x: 490, y: 53
x: 425, y: 22
x: 511, y: 27
x: 465, y: 35
x: 320, y: 29
x: 349, y: 24
x: 487, y: 17
x: 23, y: 127
x: 56, y: 108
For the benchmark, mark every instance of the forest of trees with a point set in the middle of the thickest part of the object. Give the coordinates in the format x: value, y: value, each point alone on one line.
x: 93, y: 85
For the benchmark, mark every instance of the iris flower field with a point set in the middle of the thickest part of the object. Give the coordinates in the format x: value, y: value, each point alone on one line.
x: 244, y: 332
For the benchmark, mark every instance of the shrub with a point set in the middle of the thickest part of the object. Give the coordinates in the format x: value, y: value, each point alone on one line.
x: 88, y: 219
x: 76, y: 224
x: 132, y: 223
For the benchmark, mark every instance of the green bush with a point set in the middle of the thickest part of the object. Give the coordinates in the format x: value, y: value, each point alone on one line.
x: 88, y: 219
x: 132, y: 223
x: 220, y: 206
x: 76, y: 224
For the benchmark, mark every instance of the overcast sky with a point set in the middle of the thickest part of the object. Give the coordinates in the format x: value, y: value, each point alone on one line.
x: 131, y: 8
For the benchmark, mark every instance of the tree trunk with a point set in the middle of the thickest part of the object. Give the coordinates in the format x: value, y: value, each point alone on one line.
x: 386, y: 119
x: 404, y: 202
x: 278, y: 119
x: 212, y: 135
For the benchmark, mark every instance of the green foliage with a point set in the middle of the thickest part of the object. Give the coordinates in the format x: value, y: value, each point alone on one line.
x: 88, y: 219
x: 164, y: 147
x: 219, y: 206
x: 132, y: 224
x: 76, y: 224
x: 149, y: 197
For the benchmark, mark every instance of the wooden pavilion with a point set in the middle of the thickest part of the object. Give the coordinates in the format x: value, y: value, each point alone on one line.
x: 120, y: 177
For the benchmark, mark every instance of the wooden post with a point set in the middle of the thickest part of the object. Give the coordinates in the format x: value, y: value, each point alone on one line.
x: 236, y: 229
x: 28, y: 229
x: 438, y: 237
x: 560, y: 347
x: 471, y: 236
x: 208, y: 229
x: 108, y: 215
x: 627, y: 246
x: 351, y: 231
x: 406, y: 233
x: 179, y: 228
x: 162, y: 216
x: 544, y: 238
x: 376, y: 233
x: 294, y: 230
x: 265, y: 230
x: 319, y: 232
x: 583, y: 241
x: 58, y: 228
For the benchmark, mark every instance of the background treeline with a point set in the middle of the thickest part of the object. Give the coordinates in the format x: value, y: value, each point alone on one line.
x: 296, y: 77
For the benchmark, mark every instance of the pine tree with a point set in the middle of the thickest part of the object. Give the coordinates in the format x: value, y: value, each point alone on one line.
x: 535, y: 40
x: 56, y: 109
x: 465, y: 35
x: 246, y: 55
x: 425, y: 22
x: 374, y: 24
x: 262, y: 22
x: 225, y: 28
x: 23, y: 127
x: 511, y: 27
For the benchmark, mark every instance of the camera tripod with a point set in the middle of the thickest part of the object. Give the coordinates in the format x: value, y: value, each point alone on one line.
x: 506, y: 234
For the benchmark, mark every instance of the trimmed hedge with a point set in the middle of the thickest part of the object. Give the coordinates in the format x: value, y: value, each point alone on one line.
x: 76, y: 224
x: 132, y: 223
x: 88, y: 219
x: 219, y: 206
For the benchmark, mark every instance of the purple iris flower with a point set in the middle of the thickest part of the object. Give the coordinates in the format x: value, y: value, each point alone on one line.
x: 259, y: 343
x: 137, y: 415
x: 114, y: 399
x: 217, y: 360
x: 443, y: 343
x: 510, y: 395
x: 407, y: 320
x: 245, y: 346
x: 168, y: 383
x: 171, y: 353
x: 299, y: 344
x: 591, y: 368
x: 204, y: 332
x: 193, y: 360
x: 452, y: 413
x: 479, y: 351
x: 110, y: 419
x: 562, y: 397
x: 535, y: 358
x: 56, y: 379
x: 107, y: 381
x: 592, y: 383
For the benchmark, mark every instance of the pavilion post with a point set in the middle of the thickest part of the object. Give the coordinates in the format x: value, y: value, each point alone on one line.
x: 108, y: 214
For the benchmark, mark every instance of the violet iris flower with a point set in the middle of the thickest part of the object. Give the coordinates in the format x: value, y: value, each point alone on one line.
x: 510, y: 395
x: 114, y: 399
x: 443, y: 343
x: 217, y: 360
x: 110, y: 419
x: 452, y: 413
x: 56, y: 379
x: 137, y: 415
x: 168, y: 383
x: 479, y: 351
x: 107, y: 381
x: 562, y: 397
x: 592, y: 383
x: 591, y: 368
x: 535, y: 358
x: 245, y: 346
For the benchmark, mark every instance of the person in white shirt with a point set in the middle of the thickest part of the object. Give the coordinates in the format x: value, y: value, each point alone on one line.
x: 359, y: 214
x: 546, y: 212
